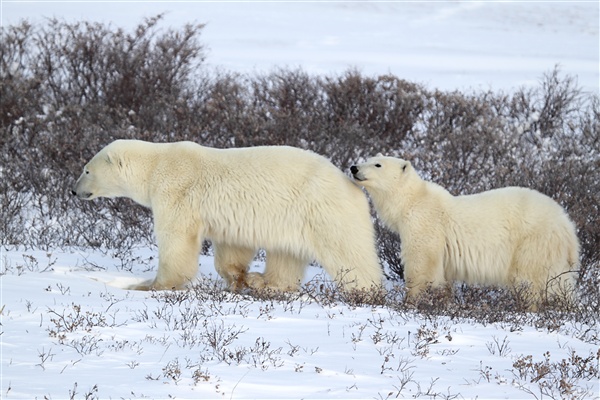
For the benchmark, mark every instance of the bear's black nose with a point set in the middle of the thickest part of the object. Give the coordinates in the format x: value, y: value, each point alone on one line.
x: 354, y: 169
x: 74, y: 193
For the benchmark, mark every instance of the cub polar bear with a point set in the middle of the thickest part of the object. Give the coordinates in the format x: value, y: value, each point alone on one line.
x: 293, y: 203
x: 504, y: 236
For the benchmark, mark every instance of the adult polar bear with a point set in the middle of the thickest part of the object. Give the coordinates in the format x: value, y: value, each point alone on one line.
x: 293, y: 203
x: 501, y: 237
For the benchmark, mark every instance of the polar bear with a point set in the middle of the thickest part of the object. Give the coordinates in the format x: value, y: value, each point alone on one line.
x: 292, y: 203
x: 507, y: 236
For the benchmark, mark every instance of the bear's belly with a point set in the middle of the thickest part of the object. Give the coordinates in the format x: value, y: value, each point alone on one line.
x: 483, y: 266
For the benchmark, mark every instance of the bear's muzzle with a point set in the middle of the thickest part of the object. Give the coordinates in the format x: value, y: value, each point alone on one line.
x: 356, y: 173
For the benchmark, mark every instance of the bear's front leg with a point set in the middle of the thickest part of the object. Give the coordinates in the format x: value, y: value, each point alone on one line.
x: 178, y: 254
x: 423, y: 268
x: 179, y: 245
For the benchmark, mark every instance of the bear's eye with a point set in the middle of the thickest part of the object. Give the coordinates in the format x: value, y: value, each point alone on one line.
x: 87, y: 172
x: 378, y: 165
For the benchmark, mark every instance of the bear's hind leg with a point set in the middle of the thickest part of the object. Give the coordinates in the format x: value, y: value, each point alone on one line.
x: 231, y: 263
x: 543, y: 265
x: 355, y: 265
x: 283, y: 272
x: 345, y: 245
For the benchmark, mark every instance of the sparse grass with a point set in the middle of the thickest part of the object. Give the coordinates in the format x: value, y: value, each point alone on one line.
x: 211, y: 324
x: 557, y: 379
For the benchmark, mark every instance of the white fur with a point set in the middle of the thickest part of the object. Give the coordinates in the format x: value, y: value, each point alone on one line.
x: 500, y: 237
x: 293, y: 203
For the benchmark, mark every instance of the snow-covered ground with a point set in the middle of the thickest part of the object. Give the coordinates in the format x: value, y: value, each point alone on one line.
x: 68, y: 327
x: 443, y: 44
x: 69, y: 330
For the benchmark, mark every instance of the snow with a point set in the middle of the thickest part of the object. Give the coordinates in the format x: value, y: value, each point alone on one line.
x: 67, y: 321
x: 70, y: 330
x: 443, y: 44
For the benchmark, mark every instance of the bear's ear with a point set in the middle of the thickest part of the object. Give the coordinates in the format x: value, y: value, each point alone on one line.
x: 379, y: 155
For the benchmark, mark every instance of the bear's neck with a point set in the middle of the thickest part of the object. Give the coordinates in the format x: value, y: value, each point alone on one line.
x: 138, y: 178
x: 394, y: 203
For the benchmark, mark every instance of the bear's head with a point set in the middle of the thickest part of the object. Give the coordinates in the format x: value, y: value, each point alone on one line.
x: 381, y: 173
x: 102, y: 176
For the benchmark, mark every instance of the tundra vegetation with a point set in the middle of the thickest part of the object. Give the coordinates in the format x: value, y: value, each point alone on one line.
x: 68, y: 89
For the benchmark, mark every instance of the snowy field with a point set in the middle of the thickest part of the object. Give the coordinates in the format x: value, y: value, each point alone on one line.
x: 69, y: 330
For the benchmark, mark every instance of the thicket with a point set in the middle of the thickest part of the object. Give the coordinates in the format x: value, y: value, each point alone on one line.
x: 68, y: 89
